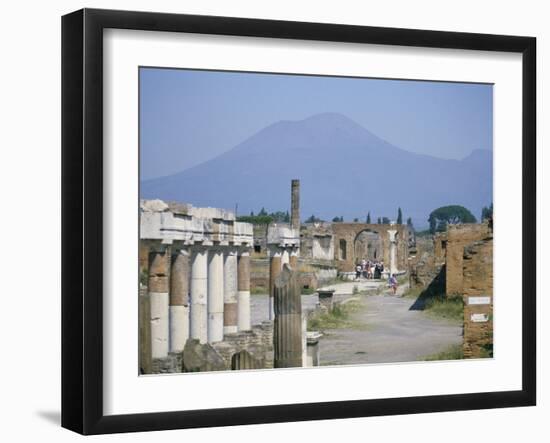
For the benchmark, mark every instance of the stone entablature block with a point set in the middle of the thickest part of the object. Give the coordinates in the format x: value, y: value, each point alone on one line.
x: 169, y: 222
x: 283, y: 236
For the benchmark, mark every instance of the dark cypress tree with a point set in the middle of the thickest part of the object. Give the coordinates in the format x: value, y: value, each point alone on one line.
x: 368, y: 218
x: 399, y: 216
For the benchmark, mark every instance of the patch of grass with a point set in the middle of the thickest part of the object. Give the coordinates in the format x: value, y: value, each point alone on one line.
x: 445, y: 307
x: 258, y: 290
x: 413, y: 292
x: 355, y: 290
x: 308, y: 291
x: 454, y: 352
x: 402, y: 279
x: 338, y: 318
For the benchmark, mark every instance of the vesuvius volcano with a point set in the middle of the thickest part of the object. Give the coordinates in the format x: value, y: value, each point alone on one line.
x: 344, y: 170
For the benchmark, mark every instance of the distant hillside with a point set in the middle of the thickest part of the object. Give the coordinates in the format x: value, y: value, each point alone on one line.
x: 344, y: 170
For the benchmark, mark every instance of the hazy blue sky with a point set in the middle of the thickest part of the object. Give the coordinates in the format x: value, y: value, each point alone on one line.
x: 187, y: 117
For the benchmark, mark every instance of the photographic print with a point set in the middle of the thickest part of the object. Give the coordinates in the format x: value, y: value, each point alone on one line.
x: 296, y: 221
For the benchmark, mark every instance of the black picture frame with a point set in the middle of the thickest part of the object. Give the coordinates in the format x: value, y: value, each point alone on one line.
x: 82, y: 218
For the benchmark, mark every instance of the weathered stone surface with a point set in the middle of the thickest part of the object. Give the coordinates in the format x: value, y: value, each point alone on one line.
x: 478, y: 282
x: 145, y: 357
x: 159, y: 270
x: 168, y: 365
x: 287, y: 334
x: 258, y: 342
x: 199, y: 357
x: 153, y: 206
x: 179, y: 281
x: 458, y: 236
x: 295, y: 204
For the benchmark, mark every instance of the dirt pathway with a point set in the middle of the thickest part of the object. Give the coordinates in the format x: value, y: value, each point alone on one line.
x: 387, y: 331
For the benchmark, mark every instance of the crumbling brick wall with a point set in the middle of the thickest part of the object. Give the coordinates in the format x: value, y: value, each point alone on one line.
x: 258, y: 343
x: 478, y: 298
x: 458, y: 236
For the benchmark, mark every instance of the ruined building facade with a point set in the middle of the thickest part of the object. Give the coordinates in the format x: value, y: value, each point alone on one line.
x: 459, y: 263
x: 197, y: 283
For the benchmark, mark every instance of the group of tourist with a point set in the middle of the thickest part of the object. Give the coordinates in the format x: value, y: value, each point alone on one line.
x: 369, y: 269
x: 372, y: 270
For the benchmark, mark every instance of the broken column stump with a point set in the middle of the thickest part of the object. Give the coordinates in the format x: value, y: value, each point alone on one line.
x: 287, y: 331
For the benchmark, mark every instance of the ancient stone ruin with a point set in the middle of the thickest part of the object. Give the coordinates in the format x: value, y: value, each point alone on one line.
x: 195, y: 268
x: 459, y: 263
x: 194, y: 301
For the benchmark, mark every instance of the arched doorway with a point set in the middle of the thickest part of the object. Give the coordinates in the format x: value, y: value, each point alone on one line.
x: 244, y: 360
x: 368, y: 246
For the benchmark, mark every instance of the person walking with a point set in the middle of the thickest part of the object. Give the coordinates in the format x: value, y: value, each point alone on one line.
x: 358, y: 272
x: 393, y: 284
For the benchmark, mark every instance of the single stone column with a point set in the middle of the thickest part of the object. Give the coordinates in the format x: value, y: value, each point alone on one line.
x: 145, y: 361
x: 295, y: 204
x: 294, y: 259
x: 393, y: 241
x: 199, y: 290
x: 215, y: 296
x: 179, y: 301
x: 274, y: 271
x: 304, y: 340
x: 230, y: 309
x: 287, y: 327
x: 243, y: 295
x: 159, y: 269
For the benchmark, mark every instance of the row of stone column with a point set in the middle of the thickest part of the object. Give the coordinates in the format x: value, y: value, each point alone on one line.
x: 201, y: 293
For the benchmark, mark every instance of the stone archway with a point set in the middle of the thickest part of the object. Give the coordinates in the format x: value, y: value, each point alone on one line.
x: 244, y: 360
x: 368, y: 246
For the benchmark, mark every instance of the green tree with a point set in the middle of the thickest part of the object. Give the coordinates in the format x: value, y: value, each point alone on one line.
x: 453, y: 214
x: 379, y: 221
x: 255, y: 219
x: 368, y: 218
x: 410, y: 223
x: 487, y: 212
x: 399, y: 216
x: 355, y: 220
x: 385, y: 221
x: 262, y: 212
x: 313, y: 219
x: 338, y: 219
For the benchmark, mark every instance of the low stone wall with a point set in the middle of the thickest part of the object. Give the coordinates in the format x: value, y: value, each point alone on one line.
x: 258, y: 343
x: 169, y: 365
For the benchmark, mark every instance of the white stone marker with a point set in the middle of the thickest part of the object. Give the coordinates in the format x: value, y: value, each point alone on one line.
x: 199, y: 290
x: 480, y: 300
x: 215, y: 296
x: 230, y: 292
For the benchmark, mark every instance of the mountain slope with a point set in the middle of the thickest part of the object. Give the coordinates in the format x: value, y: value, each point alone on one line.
x: 344, y: 170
